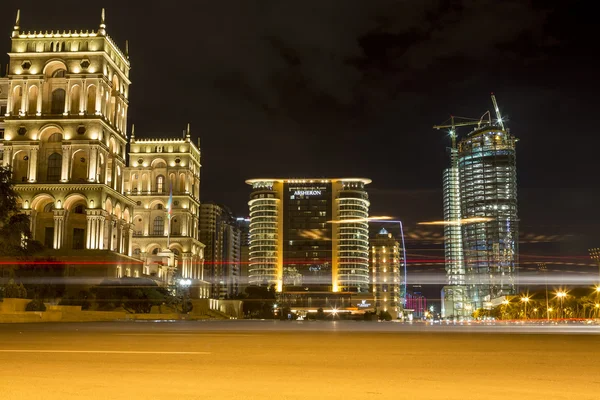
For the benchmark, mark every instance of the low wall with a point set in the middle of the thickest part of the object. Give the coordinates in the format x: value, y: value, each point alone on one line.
x: 13, y: 305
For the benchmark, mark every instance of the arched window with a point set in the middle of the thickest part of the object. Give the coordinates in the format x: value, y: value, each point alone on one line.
x: 59, y: 73
x: 55, y: 137
x: 79, y: 209
x: 54, y: 166
x: 155, y: 251
x: 158, y: 228
x: 58, y: 101
x: 160, y: 180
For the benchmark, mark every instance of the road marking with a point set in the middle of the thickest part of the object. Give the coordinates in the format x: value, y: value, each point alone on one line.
x: 105, y: 352
x: 184, y: 334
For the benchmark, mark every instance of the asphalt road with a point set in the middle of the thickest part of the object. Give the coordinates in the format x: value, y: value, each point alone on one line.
x: 297, y: 360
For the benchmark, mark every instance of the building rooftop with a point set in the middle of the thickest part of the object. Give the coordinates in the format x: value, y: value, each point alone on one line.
x: 308, y: 180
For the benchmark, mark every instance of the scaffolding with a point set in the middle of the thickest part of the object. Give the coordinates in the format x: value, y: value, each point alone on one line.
x: 481, y: 257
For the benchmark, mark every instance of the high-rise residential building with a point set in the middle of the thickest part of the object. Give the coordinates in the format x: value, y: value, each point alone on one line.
x: 163, y: 178
x: 481, y: 222
x: 386, y: 272
x: 65, y: 102
x: 309, y: 235
x: 221, y: 235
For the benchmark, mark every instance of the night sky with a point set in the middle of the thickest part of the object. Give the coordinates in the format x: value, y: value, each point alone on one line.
x: 352, y: 88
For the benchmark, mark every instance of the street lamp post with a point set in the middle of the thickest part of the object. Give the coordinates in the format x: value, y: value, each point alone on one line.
x: 595, y: 255
x: 561, y: 294
x: 542, y: 267
x: 184, y: 284
x: 525, y: 300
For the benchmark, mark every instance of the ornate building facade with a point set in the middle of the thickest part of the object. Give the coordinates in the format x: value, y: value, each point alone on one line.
x: 65, y: 136
x: 163, y: 179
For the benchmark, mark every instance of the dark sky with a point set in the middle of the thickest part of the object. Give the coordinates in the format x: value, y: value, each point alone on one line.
x: 352, y: 88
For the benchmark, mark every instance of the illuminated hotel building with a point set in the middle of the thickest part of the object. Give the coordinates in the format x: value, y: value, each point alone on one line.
x: 488, y: 188
x: 386, y: 268
x: 309, y: 235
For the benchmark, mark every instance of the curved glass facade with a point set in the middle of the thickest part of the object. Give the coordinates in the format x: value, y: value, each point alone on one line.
x: 263, y: 237
x: 353, y: 238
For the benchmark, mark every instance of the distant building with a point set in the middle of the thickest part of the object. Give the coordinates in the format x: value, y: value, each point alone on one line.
x: 309, y: 235
x: 243, y: 225
x: 221, y: 235
x: 386, y: 271
x: 416, y: 303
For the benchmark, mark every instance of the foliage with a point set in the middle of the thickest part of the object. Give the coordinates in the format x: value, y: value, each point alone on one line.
x: 35, y: 305
x: 286, y: 313
x: 83, y: 298
x: 369, y: 315
x: 320, y: 314
x: 259, y: 302
x: 385, y: 316
x: 15, y: 236
x: 14, y: 291
x: 133, y: 294
x: 43, y: 280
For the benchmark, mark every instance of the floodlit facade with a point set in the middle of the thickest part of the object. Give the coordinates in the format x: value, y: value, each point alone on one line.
x: 488, y: 189
x: 221, y: 235
x: 64, y: 134
x: 386, y: 267
x: 309, y: 235
x: 163, y: 173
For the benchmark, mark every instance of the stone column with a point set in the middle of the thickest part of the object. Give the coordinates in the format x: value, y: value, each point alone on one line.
x: 187, y: 265
x: 130, y: 241
x: 66, y: 158
x: 101, y: 230
x: 9, y: 103
x: 39, y: 99
x: 24, y: 97
x: 67, y: 98
x: 88, y: 230
x: 33, y: 163
x: 93, y: 164
x: 111, y: 234
x: 83, y: 97
x: 98, y: 106
x: 7, y: 156
x: 59, y: 226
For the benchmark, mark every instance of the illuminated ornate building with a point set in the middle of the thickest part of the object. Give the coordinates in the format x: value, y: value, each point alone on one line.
x: 159, y: 170
x: 309, y: 235
x: 386, y: 269
x: 65, y: 136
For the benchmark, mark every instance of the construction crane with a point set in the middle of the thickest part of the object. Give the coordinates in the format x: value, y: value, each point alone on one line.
x: 498, y: 116
x: 462, y: 121
x: 471, y: 122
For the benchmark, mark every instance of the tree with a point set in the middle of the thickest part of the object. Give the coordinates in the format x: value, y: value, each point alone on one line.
x: 385, y: 316
x: 15, y: 236
x: 14, y: 291
x: 320, y: 314
x: 259, y: 302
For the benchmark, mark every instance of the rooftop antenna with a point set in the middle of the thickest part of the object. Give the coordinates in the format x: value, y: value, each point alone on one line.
x: 498, y: 116
x: 127, y: 49
x: 187, y: 135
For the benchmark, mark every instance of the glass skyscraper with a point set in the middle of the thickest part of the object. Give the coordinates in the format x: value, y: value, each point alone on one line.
x: 481, y: 222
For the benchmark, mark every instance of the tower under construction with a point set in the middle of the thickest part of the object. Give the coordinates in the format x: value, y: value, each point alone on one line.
x: 480, y: 213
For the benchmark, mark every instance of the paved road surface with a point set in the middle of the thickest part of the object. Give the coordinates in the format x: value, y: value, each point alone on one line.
x: 297, y: 360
